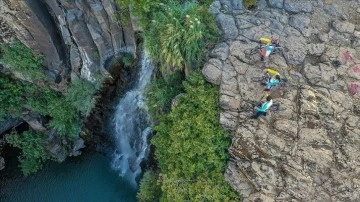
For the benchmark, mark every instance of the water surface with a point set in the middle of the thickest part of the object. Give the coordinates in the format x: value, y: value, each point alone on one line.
x: 86, y: 178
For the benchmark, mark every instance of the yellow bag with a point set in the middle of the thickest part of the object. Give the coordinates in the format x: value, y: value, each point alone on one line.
x: 273, y: 72
x: 265, y: 40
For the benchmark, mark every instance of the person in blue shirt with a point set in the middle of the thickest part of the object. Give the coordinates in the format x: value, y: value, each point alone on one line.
x: 261, y: 111
x: 269, y: 48
x: 272, y: 82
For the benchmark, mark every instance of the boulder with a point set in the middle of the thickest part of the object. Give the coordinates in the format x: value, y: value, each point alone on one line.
x: 227, y: 26
x: 299, y: 21
x: 212, y: 71
x: 343, y: 27
x: 276, y: 3
x: 297, y: 6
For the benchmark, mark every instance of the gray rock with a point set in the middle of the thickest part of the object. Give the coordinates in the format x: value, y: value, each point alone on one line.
x: 343, y: 27
x: 297, y: 6
x: 299, y: 21
x: 77, y: 145
x: 333, y: 9
x: 2, y: 163
x: 276, y: 3
x: 212, y: 71
x: 316, y: 49
x: 215, y: 7
x: 227, y: 26
x: 221, y: 51
x: 237, y: 4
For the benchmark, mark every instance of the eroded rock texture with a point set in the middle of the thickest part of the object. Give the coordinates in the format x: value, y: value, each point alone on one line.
x: 311, y: 150
x: 74, y: 36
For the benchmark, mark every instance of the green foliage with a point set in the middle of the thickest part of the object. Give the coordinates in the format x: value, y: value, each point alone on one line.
x: 141, y: 9
x: 128, y: 60
x: 10, y: 104
x: 33, y: 153
x: 22, y: 59
x: 178, y: 35
x: 191, y: 147
x: 81, y: 96
x: 160, y: 94
x: 150, y: 190
x: 249, y: 4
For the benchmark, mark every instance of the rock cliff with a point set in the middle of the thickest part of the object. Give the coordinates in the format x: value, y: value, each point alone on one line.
x: 77, y: 39
x: 74, y: 36
x: 311, y: 150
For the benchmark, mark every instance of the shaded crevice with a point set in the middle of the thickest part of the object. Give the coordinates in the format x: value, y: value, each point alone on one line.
x: 43, y: 14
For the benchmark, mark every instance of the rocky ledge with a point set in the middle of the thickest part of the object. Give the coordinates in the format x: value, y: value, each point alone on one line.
x: 311, y: 150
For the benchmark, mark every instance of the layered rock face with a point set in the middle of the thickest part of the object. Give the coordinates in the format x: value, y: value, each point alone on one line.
x: 310, y: 151
x: 74, y: 36
x: 77, y: 38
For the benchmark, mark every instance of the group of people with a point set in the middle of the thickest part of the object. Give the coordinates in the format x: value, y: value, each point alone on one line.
x: 272, y: 77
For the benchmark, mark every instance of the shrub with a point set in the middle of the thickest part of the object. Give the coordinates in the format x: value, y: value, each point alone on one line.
x: 22, y: 59
x: 32, y: 146
x: 81, y: 96
x: 178, y: 35
x: 149, y: 191
x: 191, y: 147
x: 160, y: 94
x: 11, y: 101
x: 141, y: 9
x: 249, y: 4
x: 127, y: 59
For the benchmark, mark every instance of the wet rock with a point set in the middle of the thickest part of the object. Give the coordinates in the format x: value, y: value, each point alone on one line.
x: 2, y: 163
x: 77, y: 145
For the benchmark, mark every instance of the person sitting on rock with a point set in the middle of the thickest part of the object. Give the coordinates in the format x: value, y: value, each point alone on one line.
x: 271, y: 44
x: 261, y: 111
x: 273, y: 78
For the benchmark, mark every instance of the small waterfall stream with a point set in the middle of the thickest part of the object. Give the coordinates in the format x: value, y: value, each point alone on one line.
x: 132, y: 126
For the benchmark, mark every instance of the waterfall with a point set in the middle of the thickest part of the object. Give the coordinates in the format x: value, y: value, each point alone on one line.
x: 132, y: 126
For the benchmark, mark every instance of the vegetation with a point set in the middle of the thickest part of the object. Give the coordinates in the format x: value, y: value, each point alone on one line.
x: 149, y: 188
x: 161, y: 92
x: 22, y: 59
x: 249, y: 4
x: 127, y: 59
x: 191, y: 147
x: 64, y: 113
x: 33, y: 153
x: 178, y: 36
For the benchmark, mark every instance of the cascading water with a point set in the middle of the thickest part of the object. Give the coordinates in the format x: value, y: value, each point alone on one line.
x: 132, y: 125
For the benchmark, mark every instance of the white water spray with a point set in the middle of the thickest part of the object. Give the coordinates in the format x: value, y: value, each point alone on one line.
x: 133, y: 126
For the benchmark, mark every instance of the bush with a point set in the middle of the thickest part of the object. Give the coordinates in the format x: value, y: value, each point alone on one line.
x: 32, y: 146
x: 81, y: 96
x: 149, y: 191
x: 249, y: 4
x: 22, y: 59
x: 160, y: 94
x: 191, y: 147
x: 178, y: 36
x: 127, y: 59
